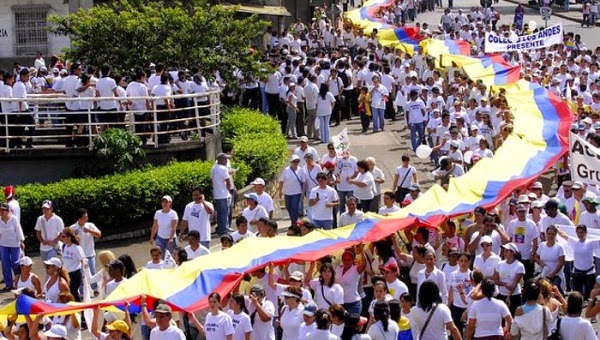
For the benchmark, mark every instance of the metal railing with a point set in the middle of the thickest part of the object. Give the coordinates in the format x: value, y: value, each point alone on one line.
x: 49, y: 122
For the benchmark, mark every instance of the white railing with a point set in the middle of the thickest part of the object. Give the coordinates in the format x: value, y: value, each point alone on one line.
x: 191, y: 116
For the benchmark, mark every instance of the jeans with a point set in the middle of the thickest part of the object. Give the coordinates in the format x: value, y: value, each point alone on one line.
x: 291, y: 121
x: 263, y: 101
x: 375, y: 203
x: 457, y: 313
x: 292, y: 204
x: 364, y: 120
x: 378, y: 115
x: 353, y: 307
x: 222, y: 210
x: 163, y: 244
x: 273, y: 103
x: 311, y: 132
x: 583, y: 283
x: 343, y: 195
x: 74, y: 284
x: 324, y: 128
x: 10, y: 256
x: 417, y: 128
x: 325, y: 224
x: 365, y: 205
x: 46, y: 255
x: 92, y: 265
x: 205, y: 244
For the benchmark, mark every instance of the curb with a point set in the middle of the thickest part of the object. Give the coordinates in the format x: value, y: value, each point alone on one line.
x: 558, y: 14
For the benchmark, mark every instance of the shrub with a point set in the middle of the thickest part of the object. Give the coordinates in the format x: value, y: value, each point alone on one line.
x: 117, y: 150
x: 118, y: 201
x: 257, y: 141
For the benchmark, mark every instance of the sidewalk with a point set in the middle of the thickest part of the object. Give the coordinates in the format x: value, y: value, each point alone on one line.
x: 574, y: 13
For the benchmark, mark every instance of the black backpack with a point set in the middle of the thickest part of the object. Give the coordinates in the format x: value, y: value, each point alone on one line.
x: 344, y: 76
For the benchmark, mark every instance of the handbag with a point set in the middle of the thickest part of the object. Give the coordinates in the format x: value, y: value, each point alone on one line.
x: 427, y: 321
x: 555, y: 334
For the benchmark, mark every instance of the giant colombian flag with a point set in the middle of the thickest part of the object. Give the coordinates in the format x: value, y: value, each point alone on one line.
x: 540, y: 137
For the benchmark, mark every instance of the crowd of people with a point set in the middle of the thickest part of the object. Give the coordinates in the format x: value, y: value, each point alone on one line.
x: 509, y: 271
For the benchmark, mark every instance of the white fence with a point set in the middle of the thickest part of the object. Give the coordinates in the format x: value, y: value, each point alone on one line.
x: 48, y: 122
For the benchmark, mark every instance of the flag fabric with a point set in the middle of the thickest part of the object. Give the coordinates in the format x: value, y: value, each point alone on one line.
x: 341, y: 142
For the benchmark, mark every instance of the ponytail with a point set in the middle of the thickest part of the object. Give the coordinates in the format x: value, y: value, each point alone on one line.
x: 381, y: 312
x: 62, y: 272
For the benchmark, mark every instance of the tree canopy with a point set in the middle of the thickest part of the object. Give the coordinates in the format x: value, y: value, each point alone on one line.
x: 132, y: 33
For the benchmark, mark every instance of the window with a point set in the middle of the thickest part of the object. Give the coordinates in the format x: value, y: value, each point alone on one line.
x: 30, y: 29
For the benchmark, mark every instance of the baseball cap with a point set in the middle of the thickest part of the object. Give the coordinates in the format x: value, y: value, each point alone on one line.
x: 455, y: 144
x: 537, y: 204
x: 56, y: 331
x: 53, y: 261
x: 310, y: 309
x: 47, y: 204
x: 453, y: 251
x: 590, y: 198
x: 577, y: 185
x: 55, y: 70
x: 474, y: 127
x: 414, y: 187
x: 597, y: 126
x: 294, y: 158
x: 222, y: 156
x: 25, y: 261
x: 513, y: 201
x: 511, y: 246
x: 537, y: 185
x: 252, y: 196
x: 391, y: 267
x: 258, y: 180
x: 257, y: 288
x: 521, y: 207
x: 163, y: 308
x: 118, y: 325
x: 523, y: 199
x: 574, y: 126
x: 581, y: 126
x: 290, y: 294
x: 167, y: 198
x: 9, y: 191
x: 297, y: 276
x: 4, y: 206
x: 486, y: 239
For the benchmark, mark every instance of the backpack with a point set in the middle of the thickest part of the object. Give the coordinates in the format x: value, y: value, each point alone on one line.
x: 344, y: 76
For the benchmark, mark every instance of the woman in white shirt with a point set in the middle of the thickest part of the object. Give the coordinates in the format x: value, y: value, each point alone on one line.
x: 323, y: 321
x: 28, y: 279
x: 508, y: 276
x: 240, y: 318
x: 218, y: 324
x: 291, y: 316
x: 572, y: 325
x: 431, y: 273
x: 326, y: 291
x: 441, y: 319
x: 73, y: 261
x: 349, y: 275
x: 291, y: 110
x: 364, y: 186
x: 460, y: 287
x: 11, y: 241
x: 164, y: 226
x: 551, y: 257
x: 532, y: 320
x: 325, y: 104
x: 486, y: 315
x: 72, y: 322
x: 384, y: 328
x: 487, y: 261
x: 584, y: 273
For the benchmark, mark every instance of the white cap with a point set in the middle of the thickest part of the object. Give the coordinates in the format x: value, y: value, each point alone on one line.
x: 168, y: 198
x: 54, y: 261
x: 511, y: 246
x: 26, y: 261
x: 258, y: 180
x: 304, y: 139
x: 486, y: 239
x: 537, y: 185
x: 294, y: 158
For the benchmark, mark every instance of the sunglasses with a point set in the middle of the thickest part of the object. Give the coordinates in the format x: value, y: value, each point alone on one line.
x: 486, y: 244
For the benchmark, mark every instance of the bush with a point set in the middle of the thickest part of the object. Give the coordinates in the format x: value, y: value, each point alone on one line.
x: 117, y: 151
x: 257, y: 141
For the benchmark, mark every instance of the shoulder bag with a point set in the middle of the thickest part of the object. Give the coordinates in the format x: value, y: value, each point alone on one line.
x: 427, y: 321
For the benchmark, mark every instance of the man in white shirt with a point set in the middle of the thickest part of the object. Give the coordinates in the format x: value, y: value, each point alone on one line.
x: 107, y: 87
x: 524, y: 234
x: 13, y: 204
x: 311, y: 91
x: 140, y: 107
x: 242, y: 232
x: 264, y: 199
x: 195, y: 248
x: 48, y: 229
x: 70, y: 85
x: 323, y: 199
x: 221, y: 183
x: 345, y: 168
x: 303, y: 149
x: 389, y: 204
x: 196, y: 217
x: 352, y: 215
x: 87, y: 233
x: 164, y: 330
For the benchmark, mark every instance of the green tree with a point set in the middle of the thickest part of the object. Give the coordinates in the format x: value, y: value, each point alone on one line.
x: 131, y: 33
x: 117, y: 151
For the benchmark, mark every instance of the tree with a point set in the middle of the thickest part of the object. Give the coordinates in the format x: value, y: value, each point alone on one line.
x: 134, y: 33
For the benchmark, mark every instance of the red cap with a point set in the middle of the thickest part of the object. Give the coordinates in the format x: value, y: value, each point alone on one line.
x: 9, y: 191
x: 391, y: 267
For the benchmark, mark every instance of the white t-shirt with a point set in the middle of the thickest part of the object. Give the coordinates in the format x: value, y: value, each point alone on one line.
x: 254, y: 215
x: 377, y: 174
x: 385, y: 210
x: 397, y: 288
x: 262, y: 329
x: 219, y: 174
x: 376, y: 331
x: 241, y: 325
x: 489, y: 314
x: 345, y: 168
x: 487, y: 266
x: 171, y: 333
x: 415, y: 111
x: 496, y: 242
x: 305, y: 330
x: 522, y: 234
x: 164, y: 221
x: 86, y: 239
x: 265, y: 200
x: 50, y: 228
x: 217, y: 327
x: 198, y: 219
x: 152, y: 265
x: 590, y: 220
x: 192, y: 254
x: 367, y: 192
x: 507, y: 273
x: 72, y: 256
x: 292, y: 181
x: 105, y: 87
x: 320, y: 211
x: 405, y: 172
x: 576, y: 328
x: 324, y: 105
x: 333, y: 294
x: 349, y: 282
x: 290, y: 321
x: 237, y: 237
x: 437, y: 325
x: 583, y: 253
x: 550, y: 256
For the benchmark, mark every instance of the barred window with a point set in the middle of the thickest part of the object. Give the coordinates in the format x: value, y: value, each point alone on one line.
x: 30, y: 29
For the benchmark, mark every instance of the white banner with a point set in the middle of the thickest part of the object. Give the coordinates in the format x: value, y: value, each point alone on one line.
x: 545, y: 37
x: 585, y: 160
x: 341, y: 143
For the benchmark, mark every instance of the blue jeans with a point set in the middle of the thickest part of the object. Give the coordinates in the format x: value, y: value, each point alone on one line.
x: 324, y: 128
x: 163, y: 244
x: 10, y: 256
x: 205, y: 244
x: 263, y: 101
x: 353, y: 307
x: 378, y: 116
x: 343, y: 195
x: 92, y: 265
x: 417, y: 128
x: 292, y: 204
x: 46, y: 255
x: 325, y: 224
x: 222, y: 209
